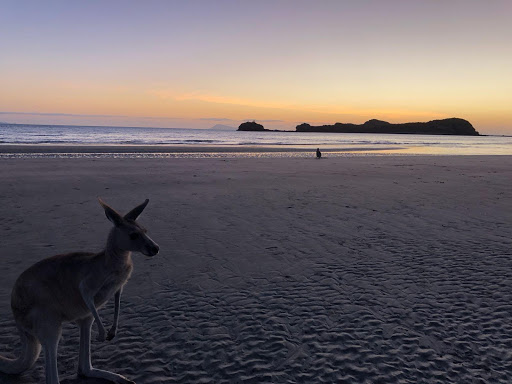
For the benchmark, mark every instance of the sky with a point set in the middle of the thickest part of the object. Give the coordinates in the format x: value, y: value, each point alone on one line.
x: 197, y: 63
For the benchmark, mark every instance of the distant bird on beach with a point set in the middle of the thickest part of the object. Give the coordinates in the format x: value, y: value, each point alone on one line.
x: 318, y: 153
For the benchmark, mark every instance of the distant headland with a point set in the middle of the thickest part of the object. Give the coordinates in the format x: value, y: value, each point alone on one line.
x: 452, y: 126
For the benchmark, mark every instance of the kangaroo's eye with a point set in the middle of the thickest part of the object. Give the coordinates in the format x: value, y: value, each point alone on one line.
x: 134, y: 236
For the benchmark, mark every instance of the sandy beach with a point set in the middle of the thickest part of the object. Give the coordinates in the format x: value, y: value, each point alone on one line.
x: 292, y: 270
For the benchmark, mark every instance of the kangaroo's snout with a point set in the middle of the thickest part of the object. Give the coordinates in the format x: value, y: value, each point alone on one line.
x: 153, y: 250
x: 150, y: 248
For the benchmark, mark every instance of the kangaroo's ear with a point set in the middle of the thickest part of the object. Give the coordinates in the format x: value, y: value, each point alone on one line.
x: 135, y: 212
x: 111, y: 213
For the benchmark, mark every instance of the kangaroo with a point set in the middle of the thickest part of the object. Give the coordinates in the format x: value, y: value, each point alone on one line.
x: 72, y: 287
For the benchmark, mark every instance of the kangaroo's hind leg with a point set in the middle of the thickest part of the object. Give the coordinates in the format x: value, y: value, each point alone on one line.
x: 84, y: 359
x: 48, y: 333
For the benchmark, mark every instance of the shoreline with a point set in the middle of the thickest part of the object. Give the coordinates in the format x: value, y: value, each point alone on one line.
x: 211, y: 151
x: 177, y: 150
x: 148, y: 148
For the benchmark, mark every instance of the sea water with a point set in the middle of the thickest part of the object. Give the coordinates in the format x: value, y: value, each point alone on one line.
x: 291, y: 143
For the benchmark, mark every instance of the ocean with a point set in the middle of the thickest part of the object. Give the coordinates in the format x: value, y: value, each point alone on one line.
x: 203, y: 141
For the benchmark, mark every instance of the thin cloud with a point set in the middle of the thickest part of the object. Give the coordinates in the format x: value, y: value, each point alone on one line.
x: 216, y: 99
x: 237, y: 120
x: 265, y: 121
x: 57, y: 114
x: 210, y: 98
x: 216, y: 119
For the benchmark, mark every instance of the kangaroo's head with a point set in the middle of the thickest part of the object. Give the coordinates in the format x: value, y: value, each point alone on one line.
x: 127, y: 234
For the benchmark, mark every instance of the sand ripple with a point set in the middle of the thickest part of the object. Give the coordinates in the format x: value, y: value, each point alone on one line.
x: 333, y: 327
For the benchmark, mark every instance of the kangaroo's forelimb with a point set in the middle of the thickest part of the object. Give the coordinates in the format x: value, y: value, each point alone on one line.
x: 88, y: 297
x: 117, y: 303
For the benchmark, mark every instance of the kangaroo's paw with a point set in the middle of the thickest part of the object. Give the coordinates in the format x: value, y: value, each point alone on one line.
x: 111, y: 333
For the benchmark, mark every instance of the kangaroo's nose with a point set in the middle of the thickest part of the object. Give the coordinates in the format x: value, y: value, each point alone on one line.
x: 154, y: 249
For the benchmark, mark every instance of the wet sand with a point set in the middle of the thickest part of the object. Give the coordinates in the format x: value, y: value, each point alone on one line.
x: 346, y: 270
x: 28, y: 149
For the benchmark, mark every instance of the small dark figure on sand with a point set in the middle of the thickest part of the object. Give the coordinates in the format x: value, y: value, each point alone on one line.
x: 318, y: 153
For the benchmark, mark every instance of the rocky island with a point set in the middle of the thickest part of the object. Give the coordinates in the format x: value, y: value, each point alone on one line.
x: 452, y: 126
x: 251, y: 126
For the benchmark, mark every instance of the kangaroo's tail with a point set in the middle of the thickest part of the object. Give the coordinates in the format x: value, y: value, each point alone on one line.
x: 30, y: 349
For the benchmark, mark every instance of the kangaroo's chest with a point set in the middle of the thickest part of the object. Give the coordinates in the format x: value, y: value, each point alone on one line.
x: 113, y: 282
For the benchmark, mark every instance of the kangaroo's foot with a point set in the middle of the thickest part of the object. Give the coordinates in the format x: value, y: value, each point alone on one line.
x: 101, y: 374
